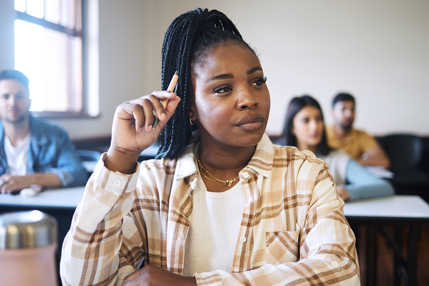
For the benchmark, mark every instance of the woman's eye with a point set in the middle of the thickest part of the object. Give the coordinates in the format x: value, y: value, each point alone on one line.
x: 222, y: 89
x: 306, y: 120
x: 260, y: 81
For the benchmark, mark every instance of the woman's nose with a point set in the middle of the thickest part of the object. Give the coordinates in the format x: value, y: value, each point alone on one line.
x: 312, y: 124
x: 246, y: 100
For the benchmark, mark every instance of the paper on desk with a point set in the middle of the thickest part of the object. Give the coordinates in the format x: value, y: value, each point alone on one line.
x: 380, y: 172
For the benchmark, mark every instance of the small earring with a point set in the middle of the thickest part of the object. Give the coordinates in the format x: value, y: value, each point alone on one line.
x: 190, y: 120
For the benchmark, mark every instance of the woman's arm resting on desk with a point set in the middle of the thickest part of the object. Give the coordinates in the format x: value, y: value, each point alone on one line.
x: 363, y: 184
x: 375, y: 156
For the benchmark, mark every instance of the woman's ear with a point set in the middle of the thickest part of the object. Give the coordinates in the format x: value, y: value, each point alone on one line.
x: 192, y: 114
x: 192, y: 109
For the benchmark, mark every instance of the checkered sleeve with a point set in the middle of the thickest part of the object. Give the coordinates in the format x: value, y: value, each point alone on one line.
x: 325, y: 244
x: 103, y: 245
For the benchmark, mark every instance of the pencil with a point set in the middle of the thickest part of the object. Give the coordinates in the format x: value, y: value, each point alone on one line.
x: 170, y: 88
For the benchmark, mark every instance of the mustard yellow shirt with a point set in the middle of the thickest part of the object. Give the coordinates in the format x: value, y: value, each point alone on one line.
x: 356, y: 143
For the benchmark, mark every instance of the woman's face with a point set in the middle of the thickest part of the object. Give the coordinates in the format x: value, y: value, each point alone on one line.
x: 308, y: 128
x: 231, y: 100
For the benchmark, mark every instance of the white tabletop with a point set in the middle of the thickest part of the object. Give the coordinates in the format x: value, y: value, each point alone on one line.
x: 57, y: 198
x: 398, y: 206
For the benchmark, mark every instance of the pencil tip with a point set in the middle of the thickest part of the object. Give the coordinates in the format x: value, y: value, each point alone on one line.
x: 176, y: 73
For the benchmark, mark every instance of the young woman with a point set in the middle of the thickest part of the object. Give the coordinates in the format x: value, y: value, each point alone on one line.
x: 305, y: 129
x: 222, y: 205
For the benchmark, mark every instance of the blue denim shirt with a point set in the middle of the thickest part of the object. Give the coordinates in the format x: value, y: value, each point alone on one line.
x: 50, y: 151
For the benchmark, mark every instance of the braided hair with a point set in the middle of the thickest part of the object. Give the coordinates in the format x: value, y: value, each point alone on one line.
x: 188, y: 39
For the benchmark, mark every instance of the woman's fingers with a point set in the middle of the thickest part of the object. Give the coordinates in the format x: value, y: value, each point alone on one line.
x: 158, y: 108
x: 144, y: 109
x: 138, y: 116
x: 167, y: 110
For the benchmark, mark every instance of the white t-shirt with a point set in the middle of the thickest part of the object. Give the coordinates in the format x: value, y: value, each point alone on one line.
x: 214, y: 227
x: 17, y: 156
x: 337, y: 162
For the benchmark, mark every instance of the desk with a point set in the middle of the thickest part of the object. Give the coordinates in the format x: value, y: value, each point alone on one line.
x: 67, y: 198
x: 60, y: 203
x: 398, y: 211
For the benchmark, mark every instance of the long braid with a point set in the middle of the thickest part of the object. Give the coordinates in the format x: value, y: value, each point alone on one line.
x: 187, y: 39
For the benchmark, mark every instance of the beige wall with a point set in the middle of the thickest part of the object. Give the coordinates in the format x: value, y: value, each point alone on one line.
x: 376, y: 50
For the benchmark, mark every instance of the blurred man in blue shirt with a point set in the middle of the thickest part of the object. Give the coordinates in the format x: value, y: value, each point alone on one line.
x: 32, y: 151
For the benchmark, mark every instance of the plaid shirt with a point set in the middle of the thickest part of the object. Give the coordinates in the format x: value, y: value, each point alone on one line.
x: 293, y: 230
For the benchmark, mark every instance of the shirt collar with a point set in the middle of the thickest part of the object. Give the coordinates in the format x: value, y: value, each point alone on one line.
x: 185, y: 163
x: 261, y: 161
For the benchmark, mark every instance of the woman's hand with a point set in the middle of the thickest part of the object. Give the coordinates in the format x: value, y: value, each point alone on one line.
x: 153, y: 275
x: 132, y: 130
x: 342, y: 192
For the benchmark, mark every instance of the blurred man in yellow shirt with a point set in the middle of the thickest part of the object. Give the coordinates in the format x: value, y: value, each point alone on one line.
x: 357, y: 143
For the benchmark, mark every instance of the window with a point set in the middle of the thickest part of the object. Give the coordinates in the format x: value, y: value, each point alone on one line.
x: 48, y: 49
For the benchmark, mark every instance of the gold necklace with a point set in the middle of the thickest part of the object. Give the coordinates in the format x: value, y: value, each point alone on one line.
x: 224, y: 182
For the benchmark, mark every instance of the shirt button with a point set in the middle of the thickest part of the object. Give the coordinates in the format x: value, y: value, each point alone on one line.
x: 334, y: 263
x: 250, y: 199
x: 117, y: 183
x: 186, y: 209
x: 243, y: 239
x: 245, y: 175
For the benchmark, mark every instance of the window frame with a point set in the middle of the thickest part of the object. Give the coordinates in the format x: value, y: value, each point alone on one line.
x: 83, y: 113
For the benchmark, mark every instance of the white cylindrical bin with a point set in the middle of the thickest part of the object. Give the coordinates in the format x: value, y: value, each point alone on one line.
x: 28, y: 241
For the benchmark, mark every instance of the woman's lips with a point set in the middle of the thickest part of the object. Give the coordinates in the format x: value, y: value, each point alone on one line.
x: 251, y: 123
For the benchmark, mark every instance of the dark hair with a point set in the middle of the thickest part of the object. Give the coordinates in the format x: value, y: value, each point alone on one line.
x: 295, y: 106
x: 188, y: 39
x: 15, y: 75
x: 342, y: 96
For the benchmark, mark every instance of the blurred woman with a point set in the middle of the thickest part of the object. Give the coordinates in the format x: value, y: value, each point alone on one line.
x: 305, y: 129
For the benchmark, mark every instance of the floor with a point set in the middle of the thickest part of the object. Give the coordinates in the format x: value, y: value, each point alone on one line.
x: 385, y: 259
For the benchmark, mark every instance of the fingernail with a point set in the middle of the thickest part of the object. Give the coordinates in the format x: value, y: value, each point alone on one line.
x: 140, y: 129
x: 150, y: 128
x: 163, y: 115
